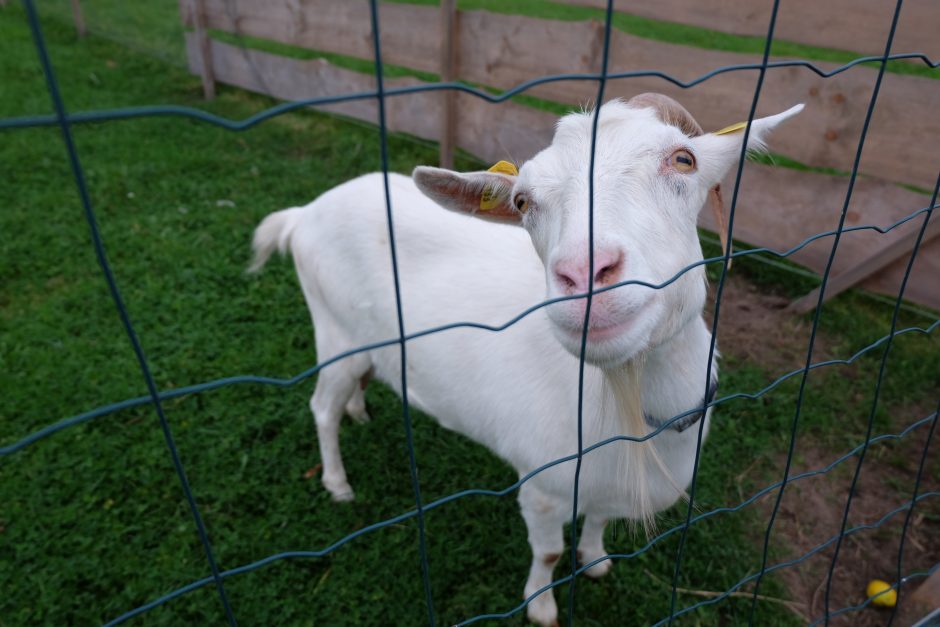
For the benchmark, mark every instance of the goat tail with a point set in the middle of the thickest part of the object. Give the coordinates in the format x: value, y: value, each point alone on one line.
x: 273, y: 233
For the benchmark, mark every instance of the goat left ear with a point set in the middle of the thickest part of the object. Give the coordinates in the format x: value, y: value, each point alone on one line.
x: 718, y: 151
x: 481, y: 194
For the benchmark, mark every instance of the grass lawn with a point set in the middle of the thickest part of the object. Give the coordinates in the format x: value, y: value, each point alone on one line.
x: 93, y: 521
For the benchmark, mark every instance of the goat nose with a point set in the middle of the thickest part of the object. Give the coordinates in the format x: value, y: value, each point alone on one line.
x: 571, y: 274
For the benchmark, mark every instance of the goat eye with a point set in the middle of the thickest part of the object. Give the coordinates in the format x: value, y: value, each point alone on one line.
x: 682, y: 160
x: 521, y: 203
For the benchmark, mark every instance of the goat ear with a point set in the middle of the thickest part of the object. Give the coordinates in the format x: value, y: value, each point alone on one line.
x: 718, y: 151
x: 481, y: 194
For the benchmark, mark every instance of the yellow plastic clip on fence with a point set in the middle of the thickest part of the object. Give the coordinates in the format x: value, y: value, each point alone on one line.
x: 488, y: 199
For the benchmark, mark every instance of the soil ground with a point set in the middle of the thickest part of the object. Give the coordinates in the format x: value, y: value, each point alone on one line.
x: 811, y: 511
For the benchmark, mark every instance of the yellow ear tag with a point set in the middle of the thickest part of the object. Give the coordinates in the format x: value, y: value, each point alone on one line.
x: 488, y: 198
x: 731, y: 129
x: 504, y: 167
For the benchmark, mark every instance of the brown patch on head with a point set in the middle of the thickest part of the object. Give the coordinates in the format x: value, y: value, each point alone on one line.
x: 549, y: 559
x: 811, y: 512
x: 668, y: 111
x: 755, y: 328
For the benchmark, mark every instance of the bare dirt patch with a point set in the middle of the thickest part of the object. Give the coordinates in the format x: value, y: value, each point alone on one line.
x: 811, y: 513
x: 755, y: 327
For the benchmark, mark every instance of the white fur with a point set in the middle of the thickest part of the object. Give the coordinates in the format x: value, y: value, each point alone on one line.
x: 516, y: 391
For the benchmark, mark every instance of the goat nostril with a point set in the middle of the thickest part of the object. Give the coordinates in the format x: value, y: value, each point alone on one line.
x: 609, y: 272
x: 566, y: 281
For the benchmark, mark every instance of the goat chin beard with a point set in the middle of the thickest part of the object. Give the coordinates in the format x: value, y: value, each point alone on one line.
x: 625, y: 382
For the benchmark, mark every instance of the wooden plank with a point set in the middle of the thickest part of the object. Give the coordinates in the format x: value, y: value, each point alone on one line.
x: 902, y: 247
x: 778, y: 208
x: 409, y: 33
x: 922, y: 287
x: 492, y: 132
x: 858, y: 25
x: 510, y: 50
x: 449, y: 32
x: 504, y: 50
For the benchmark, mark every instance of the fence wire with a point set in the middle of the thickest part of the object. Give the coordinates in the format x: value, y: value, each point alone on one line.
x: 155, y: 397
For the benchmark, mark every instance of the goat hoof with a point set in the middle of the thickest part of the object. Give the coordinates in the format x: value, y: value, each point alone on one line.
x: 344, y: 497
x: 599, y: 570
x: 361, y: 418
x: 543, y: 611
x: 341, y: 493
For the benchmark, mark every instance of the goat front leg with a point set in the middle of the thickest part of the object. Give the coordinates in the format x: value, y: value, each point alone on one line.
x: 544, y: 518
x: 591, y: 546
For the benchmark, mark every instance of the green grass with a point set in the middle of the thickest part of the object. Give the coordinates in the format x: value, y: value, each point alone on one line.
x: 152, y: 27
x: 93, y: 522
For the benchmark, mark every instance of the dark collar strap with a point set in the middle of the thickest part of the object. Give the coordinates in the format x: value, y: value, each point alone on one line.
x: 690, y: 419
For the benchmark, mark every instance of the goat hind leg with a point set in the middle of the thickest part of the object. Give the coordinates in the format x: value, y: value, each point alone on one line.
x: 356, y: 407
x: 334, y: 388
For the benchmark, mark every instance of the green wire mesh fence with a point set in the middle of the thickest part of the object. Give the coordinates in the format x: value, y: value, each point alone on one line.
x: 155, y: 397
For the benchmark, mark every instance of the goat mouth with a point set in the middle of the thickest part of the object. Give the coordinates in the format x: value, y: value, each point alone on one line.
x: 599, y: 332
x: 606, y: 329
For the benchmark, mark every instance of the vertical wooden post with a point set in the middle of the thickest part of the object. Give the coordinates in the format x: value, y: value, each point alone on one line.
x: 448, y: 73
x: 78, y: 18
x: 205, y: 51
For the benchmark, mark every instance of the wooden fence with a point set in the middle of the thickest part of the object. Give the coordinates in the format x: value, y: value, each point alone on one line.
x: 778, y: 207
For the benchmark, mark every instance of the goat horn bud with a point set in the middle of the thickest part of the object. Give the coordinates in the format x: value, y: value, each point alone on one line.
x: 668, y: 111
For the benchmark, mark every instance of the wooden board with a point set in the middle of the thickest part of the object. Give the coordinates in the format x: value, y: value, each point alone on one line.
x: 492, y: 132
x: 778, y: 207
x: 901, y: 142
x: 900, y: 249
x: 858, y: 25
x: 409, y: 33
x: 504, y: 51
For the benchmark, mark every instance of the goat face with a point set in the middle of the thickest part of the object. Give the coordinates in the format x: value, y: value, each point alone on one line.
x: 651, y: 178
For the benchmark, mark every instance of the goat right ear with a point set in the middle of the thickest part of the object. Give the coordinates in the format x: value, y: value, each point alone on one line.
x: 481, y: 194
x: 720, y: 150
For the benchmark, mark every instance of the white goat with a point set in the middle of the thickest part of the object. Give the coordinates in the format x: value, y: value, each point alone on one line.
x: 516, y: 391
